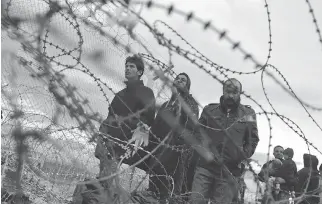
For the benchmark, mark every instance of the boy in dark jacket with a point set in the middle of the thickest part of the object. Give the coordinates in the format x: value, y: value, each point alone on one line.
x: 131, y: 108
x: 311, y: 194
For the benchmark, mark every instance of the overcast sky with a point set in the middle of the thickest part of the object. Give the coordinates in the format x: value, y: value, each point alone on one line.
x: 296, y: 53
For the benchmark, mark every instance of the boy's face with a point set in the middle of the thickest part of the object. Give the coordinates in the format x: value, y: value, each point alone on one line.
x: 286, y: 156
x: 132, y: 72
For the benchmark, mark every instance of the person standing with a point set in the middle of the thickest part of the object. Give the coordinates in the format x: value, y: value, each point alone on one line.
x: 131, y: 109
x: 308, y: 183
x: 172, y: 165
x: 265, y: 173
x: 286, y: 175
x: 268, y: 171
x: 232, y: 131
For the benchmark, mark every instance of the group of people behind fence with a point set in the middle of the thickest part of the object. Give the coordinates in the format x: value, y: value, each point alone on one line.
x: 285, y: 182
x: 189, y: 160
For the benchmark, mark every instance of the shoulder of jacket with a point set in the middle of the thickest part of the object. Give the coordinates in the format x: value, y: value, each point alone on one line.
x: 248, y: 108
x: 212, y: 106
x: 148, y: 88
x: 120, y: 92
x: 145, y: 90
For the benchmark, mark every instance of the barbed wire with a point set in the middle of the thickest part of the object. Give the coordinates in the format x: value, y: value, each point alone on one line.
x: 315, y: 22
x: 75, y: 109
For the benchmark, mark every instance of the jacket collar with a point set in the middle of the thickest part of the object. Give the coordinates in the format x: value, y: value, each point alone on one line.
x: 133, y: 84
x: 223, y: 107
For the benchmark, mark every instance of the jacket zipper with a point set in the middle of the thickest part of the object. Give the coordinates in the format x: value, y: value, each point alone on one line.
x: 227, y: 117
x: 225, y: 126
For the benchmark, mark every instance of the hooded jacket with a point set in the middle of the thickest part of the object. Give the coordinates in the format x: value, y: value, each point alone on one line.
x: 241, y: 125
x: 167, y: 155
x: 310, y: 166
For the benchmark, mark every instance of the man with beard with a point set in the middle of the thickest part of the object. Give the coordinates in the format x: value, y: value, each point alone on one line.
x: 231, y: 129
x: 172, y: 165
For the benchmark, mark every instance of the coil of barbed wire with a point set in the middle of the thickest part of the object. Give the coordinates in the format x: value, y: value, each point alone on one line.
x: 44, y: 60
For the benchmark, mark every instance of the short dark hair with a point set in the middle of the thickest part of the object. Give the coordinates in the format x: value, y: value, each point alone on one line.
x: 232, y: 80
x: 138, y: 61
x: 278, y: 146
x: 320, y: 168
x: 289, y: 152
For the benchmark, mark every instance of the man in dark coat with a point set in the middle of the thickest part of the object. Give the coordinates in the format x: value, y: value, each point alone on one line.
x: 309, y: 176
x: 288, y: 171
x: 232, y: 136
x: 265, y: 173
x: 131, y: 108
x: 172, y: 165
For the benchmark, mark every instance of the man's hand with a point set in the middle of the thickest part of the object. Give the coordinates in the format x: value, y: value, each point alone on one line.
x: 108, y: 122
x: 140, y: 136
x: 112, y: 118
x: 174, y: 89
x: 95, y: 193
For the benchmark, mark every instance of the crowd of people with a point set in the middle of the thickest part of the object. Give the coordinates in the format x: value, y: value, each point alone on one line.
x: 284, y: 181
x: 191, y: 160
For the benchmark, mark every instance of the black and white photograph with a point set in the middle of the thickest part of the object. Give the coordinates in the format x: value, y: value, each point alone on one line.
x: 161, y: 101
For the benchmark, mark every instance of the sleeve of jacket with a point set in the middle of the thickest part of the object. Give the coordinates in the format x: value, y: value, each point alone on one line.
x: 287, y: 172
x: 302, y: 179
x: 190, y: 125
x: 104, y: 127
x: 146, y: 105
x: 252, y: 142
x: 201, y: 133
x: 157, y: 124
x: 149, y: 105
x: 202, y: 123
x: 113, y: 104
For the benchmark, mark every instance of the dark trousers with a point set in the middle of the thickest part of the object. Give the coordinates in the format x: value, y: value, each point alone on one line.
x: 167, y: 180
x: 216, y: 185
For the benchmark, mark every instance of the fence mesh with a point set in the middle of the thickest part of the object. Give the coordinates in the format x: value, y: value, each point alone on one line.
x: 62, y: 63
